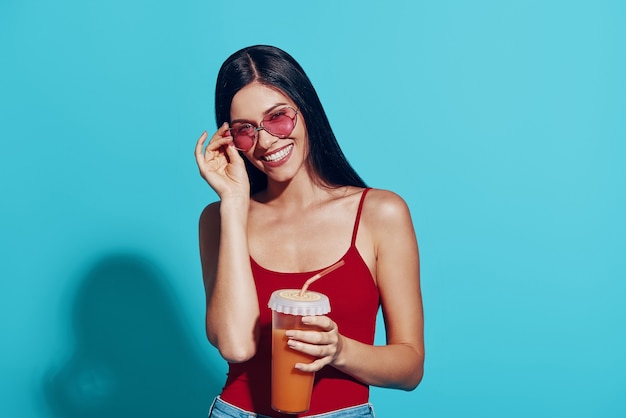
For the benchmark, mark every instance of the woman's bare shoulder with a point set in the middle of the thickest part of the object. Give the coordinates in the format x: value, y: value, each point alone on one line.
x: 210, y: 215
x: 384, y: 206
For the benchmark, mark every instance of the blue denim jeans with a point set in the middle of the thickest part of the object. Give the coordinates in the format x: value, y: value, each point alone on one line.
x: 221, y: 409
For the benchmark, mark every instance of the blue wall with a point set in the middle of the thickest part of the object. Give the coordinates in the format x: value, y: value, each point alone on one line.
x: 501, y: 123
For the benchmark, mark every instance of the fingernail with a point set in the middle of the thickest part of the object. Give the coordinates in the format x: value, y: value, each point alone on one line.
x: 306, y: 320
x: 291, y: 343
x: 290, y: 334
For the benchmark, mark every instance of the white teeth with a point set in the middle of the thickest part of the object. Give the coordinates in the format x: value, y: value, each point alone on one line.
x: 278, y: 155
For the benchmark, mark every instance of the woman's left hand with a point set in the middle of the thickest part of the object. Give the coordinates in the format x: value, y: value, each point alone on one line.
x: 325, y: 343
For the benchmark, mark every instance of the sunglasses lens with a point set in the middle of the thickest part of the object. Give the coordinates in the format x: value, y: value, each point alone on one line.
x: 243, y: 137
x: 281, y: 122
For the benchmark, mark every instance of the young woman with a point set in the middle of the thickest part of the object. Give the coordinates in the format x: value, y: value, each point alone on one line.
x: 291, y: 205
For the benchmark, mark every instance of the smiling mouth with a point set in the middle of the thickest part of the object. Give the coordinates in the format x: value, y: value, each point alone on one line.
x: 278, y: 155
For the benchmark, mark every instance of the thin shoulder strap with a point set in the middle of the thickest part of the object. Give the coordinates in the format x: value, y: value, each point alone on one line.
x: 358, y: 216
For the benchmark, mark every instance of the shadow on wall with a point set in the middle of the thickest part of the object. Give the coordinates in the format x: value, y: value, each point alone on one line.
x: 132, y: 356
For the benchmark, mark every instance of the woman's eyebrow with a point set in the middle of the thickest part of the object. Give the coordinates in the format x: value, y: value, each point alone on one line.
x: 271, y: 109
x: 267, y: 112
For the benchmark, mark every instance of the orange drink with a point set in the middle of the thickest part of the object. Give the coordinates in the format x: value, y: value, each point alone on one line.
x: 291, y: 388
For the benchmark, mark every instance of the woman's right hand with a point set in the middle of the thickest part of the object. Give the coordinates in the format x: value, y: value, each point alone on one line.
x: 221, y: 165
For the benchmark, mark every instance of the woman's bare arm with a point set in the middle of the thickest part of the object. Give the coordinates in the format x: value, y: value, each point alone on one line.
x: 232, y: 309
x: 399, y: 363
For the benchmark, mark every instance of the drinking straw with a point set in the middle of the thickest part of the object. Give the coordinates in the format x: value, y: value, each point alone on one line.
x: 320, y: 274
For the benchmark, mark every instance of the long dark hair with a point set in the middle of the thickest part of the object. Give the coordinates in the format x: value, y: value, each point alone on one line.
x: 275, y: 68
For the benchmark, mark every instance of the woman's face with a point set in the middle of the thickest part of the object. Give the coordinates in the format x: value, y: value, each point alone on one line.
x: 280, y: 159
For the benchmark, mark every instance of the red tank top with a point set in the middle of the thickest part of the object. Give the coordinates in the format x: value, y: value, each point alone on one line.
x: 354, y: 301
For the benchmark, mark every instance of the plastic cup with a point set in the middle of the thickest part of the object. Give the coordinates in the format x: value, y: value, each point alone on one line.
x: 291, y: 388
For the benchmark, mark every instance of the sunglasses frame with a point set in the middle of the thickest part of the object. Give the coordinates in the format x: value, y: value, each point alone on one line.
x: 263, y: 128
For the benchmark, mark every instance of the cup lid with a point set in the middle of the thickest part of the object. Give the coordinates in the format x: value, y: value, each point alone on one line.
x: 289, y: 301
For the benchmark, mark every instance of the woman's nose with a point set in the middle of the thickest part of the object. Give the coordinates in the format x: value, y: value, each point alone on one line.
x: 265, y: 139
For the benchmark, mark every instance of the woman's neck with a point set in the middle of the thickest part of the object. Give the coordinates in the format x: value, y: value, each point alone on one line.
x: 297, y: 194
